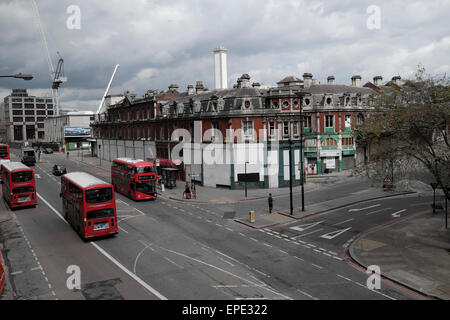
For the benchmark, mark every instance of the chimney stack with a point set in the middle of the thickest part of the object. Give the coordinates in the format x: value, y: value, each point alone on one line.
x: 256, y: 85
x: 199, y: 87
x: 173, y: 87
x: 377, y: 80
x: 220, y: 68
x: 245, y: 81
x: 307, y: 80
x: 190, y: 90
x: 396, y: 80
x: 356, y: 81
x: 330, y: 80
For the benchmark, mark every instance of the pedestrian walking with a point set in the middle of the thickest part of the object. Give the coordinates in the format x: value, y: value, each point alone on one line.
x: 270, y: 199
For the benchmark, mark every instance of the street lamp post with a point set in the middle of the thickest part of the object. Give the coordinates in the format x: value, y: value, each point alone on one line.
x: 19, y: 76
x: 434, y: 186
x: 290, y: 177
x: 302, y: 169
x: 246, y: 181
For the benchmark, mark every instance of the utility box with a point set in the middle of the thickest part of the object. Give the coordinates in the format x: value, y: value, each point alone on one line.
x: 251, y: 216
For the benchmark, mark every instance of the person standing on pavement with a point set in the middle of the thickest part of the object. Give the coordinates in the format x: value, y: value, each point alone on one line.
x: 270, y: 202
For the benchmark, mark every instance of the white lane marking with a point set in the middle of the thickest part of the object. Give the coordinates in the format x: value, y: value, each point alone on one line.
x: 302, y: 235
x: 242, y: 234
x: 36, y: 268
x: 334, y: 234
x: 254, y: 239
x: 267, y: 245
x: 228, y: 272
x: 123, y: 229
x: 361, y: 285
x: 397, y: 214
x: 298, y: 258
x: 359, y: 209
x: 16, y: 272
x: 231, y: 230
x: 315, y: 265
x: 332, y: 252
x: 107, y: 255
x: 283, y: 251
x: 307, y: 294
x: 306, y: 226
x: 376, y: 211
x: 173, y: 263
x: 342, y: 222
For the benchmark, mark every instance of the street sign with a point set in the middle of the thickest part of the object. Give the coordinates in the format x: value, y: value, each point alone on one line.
x: 157, y: 162
x: 248, y: 177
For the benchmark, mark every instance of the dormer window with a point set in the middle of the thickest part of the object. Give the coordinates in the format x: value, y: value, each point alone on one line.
x: 247, y: 104
x: 328, y: 101
x: 275, y: 104
x: 285, y: 104
x: 307, y: 101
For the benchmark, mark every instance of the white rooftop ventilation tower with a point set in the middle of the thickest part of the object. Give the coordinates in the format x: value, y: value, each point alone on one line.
x: 220, y: 68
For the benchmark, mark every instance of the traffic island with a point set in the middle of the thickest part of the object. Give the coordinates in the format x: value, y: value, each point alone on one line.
x: 412, y: 252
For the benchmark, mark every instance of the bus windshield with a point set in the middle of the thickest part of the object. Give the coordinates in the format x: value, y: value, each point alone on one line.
x: 22, y: 176
x: 99, y: 195
x: 147, y: 187
x: 140, y: 170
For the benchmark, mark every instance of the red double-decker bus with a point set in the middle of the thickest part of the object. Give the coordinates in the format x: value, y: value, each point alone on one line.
x: 89, y: 204
x: 4, y: 151
x: 134, y: 178
x: 19, y: 187
x: 2, y: 275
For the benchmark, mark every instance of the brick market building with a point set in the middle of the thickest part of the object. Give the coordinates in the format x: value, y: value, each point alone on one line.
x: 264, y: 115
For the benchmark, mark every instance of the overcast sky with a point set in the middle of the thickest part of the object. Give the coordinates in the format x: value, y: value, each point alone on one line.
x: 159, y: 42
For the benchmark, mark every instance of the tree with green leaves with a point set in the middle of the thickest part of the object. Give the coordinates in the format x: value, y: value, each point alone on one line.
x: 408, y: 131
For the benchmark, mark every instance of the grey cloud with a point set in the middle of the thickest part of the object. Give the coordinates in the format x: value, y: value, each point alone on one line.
x: 161, y: 42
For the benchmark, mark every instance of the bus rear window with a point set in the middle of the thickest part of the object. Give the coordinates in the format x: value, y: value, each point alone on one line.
x: 22, y: 176
x: 99, y: 195
x: 96, y: 214
x: 23, y: 190
x: 140, y: 170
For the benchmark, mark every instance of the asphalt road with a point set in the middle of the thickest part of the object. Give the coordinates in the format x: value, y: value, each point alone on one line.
x: 173, y: 250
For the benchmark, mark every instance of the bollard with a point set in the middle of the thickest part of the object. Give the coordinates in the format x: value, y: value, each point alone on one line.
x: 252, y: 216
x: 162, y: 187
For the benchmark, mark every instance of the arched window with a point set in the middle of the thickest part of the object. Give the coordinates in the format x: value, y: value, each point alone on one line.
x: 360, y: 119
x: 330, y: 142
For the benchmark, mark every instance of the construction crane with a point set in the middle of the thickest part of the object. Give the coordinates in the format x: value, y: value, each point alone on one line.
x: 57, y: 76
x: 100, y: 107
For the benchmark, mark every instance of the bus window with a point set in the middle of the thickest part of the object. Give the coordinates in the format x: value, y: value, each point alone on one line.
x: 99, y: 195
x: 96, y: 214
x: 23, y: 190
x: 140, y: 170
x: 23, y: 176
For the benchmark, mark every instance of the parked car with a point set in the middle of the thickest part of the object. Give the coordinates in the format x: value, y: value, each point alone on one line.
x: 48, y: 150
x: 59, y: 170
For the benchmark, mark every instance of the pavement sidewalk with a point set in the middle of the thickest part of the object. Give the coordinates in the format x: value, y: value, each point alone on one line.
x: 414, y: 252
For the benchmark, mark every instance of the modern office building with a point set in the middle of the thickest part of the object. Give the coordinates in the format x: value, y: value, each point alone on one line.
x: 25, y: 116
